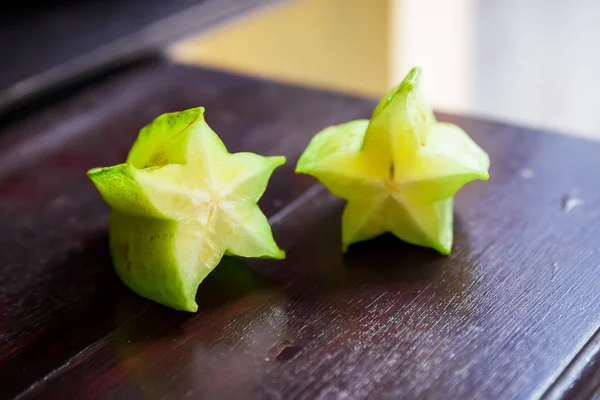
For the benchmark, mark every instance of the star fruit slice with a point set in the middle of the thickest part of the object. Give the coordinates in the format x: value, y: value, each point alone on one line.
x: 179, y: 203
x: 398, y: 171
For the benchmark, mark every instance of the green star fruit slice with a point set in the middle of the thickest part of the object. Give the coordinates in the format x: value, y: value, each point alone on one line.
x: 179, y: 203
x: 333, y: 157
x: 399, y: 171
x: 436, y: 158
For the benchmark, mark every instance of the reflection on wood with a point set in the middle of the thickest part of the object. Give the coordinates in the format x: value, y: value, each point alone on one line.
x: 513, y: 308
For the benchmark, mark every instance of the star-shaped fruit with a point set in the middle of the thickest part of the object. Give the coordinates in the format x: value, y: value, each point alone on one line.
x: 179, y: 203
x: 399, y: 171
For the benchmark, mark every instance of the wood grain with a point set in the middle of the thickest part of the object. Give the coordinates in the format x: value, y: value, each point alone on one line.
x: 511, y: 313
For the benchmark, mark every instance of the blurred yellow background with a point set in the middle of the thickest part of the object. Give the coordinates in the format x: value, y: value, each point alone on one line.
x: 339, y: 44
x: 505, y: 60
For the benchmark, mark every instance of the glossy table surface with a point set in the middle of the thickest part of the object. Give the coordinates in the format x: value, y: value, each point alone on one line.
x: 513, y: 312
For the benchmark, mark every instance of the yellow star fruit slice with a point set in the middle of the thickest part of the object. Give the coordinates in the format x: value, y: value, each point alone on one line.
x: 179, y: 203
x: 398, y: 171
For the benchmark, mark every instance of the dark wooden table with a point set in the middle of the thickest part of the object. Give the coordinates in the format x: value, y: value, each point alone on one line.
x: 513, y: 312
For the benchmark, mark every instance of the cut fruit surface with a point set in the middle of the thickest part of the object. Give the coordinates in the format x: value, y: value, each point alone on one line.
x: 179, y: 203
x: 399, y: 171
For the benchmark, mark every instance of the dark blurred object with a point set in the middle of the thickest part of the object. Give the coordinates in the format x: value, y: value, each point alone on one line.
x: 47, y: 44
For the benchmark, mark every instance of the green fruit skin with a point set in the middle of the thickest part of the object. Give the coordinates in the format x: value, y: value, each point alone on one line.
x: 143, y: 253
x: 142, y: 240
x: 158, y: 256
